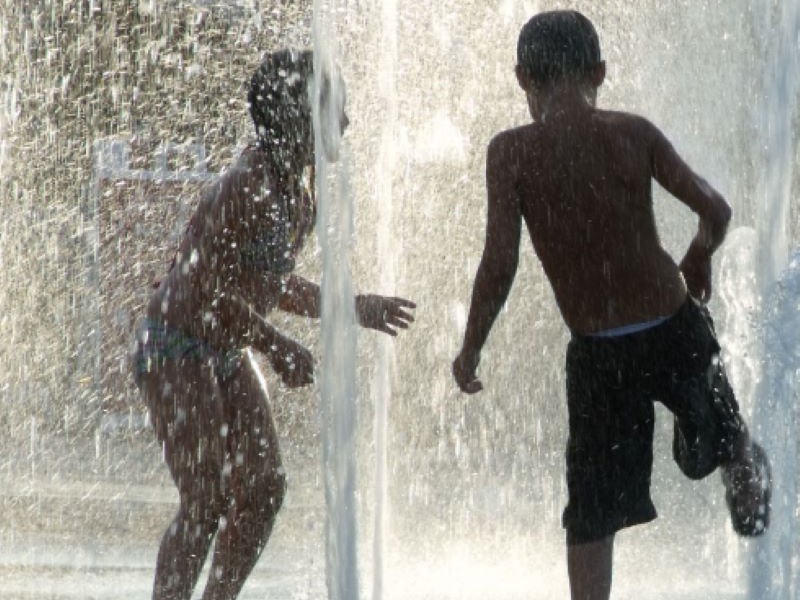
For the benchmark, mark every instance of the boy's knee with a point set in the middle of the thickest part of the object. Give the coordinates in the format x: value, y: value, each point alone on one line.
x: 709, y: 429
x: 695, y: 453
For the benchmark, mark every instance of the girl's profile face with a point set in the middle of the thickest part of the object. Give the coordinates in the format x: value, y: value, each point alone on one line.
x: 304, y: 131
x: 332, y: 119
x: 283, y: 113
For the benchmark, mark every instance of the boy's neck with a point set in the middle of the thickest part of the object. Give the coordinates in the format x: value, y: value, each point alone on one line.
x: 564, y: 99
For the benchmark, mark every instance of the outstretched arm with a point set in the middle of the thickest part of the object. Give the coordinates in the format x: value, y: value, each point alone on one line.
x: 386, y: 314
x: 497, y: 268
x: 298, y: 296
x: 714, y: 213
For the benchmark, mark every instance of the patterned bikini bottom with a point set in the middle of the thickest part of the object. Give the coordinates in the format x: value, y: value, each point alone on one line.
x: 156, y: 344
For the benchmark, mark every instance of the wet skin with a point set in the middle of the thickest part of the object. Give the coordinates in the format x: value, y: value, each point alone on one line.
x: 580, y: 179
x: 218, y: 436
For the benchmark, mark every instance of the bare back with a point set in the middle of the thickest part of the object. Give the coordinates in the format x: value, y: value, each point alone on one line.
x: 584, y: 188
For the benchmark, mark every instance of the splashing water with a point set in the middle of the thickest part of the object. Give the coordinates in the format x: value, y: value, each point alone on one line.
x: 338, y: 388
x: 774, y: 573
x: 474, y: 486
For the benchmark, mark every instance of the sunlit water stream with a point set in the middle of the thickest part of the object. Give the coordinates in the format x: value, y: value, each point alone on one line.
x: 113, y: 113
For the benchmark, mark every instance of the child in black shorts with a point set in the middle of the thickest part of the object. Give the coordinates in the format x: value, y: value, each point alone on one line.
x: 580, y: 178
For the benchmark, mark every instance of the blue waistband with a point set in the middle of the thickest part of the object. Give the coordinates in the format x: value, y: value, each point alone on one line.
x: 628, y: 329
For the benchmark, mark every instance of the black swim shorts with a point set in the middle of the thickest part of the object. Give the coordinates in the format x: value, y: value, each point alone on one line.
x: 612, y: 383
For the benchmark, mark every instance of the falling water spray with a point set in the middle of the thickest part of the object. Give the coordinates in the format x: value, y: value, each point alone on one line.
x: 387, y: 158
x: 338, y: 390
x: 773, y: 571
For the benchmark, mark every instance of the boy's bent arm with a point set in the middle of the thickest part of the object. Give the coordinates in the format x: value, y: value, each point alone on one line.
x: 498, y: 264
x: 714, y: 212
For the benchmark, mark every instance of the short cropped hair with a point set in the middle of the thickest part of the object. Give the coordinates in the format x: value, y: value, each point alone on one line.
x: 278, y: 98
x: 558, y: 45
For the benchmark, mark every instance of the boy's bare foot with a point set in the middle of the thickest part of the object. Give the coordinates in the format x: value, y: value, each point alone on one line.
x: 748, y: 493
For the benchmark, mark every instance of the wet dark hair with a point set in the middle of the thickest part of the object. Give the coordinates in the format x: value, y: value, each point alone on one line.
x: 558, y: 45
x: 278, y: 98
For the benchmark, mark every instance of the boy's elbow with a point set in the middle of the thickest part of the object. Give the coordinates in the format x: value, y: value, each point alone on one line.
x: 714, y: 222
x: 723, y: 214
x: 725, y: 211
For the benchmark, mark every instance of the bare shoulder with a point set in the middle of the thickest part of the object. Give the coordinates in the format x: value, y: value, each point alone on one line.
x: 631, y: 124
x: 247, y: 171
x: 225, y: 199
x: 513, y: 139
x: 511, y: 146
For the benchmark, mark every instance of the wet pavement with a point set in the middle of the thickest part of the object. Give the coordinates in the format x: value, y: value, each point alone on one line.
x: 83, y: 517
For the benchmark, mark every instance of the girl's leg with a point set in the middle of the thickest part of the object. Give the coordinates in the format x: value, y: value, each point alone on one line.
x: 256, y: 484
x: 185, y: 409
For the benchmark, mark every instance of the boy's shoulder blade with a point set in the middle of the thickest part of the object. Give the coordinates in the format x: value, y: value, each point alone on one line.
x: 625, y: 120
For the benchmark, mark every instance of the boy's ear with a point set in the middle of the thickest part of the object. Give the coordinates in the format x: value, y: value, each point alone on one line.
x: 599, y: 74
x: 522, y: 78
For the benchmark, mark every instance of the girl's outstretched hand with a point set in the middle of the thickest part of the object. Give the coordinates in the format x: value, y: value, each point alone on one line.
x: 386, y: 314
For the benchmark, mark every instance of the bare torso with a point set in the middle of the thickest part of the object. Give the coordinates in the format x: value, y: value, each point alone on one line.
x: 584, y: 186
x: 212, y: 282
